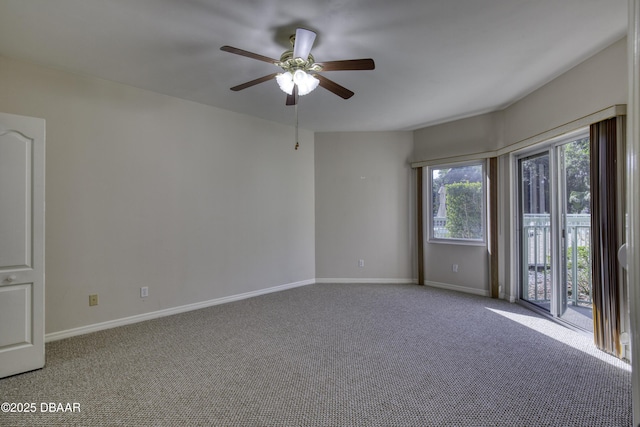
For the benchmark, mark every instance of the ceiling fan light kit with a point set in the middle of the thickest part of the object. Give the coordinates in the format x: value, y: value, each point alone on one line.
x: 305, y: 82
x: 285, y: 81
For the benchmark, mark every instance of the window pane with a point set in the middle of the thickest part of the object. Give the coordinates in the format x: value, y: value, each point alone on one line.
x: 458, y: 202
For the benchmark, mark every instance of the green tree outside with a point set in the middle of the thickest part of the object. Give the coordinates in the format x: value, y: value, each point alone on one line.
x: 577, y: 169
x: 445, y: 177
x: 464, y: 210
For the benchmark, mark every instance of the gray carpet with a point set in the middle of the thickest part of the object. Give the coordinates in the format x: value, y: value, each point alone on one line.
x: 332, y: 355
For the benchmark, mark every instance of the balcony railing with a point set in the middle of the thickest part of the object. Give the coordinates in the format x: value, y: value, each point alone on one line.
x: 537, y: 253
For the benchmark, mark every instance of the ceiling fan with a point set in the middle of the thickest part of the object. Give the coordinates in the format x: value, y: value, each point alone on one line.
x: 299, y: 74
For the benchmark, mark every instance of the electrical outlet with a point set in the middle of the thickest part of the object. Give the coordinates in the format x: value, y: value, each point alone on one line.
x: 144, y: 292
x: 93, y: 300
x: 454, y: 268
x: 360, y: 263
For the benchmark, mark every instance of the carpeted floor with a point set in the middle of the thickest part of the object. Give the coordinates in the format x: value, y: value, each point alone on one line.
x: 332, y: 355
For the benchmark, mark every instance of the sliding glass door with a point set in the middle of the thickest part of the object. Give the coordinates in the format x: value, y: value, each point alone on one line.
x: 553, y: 211
x: 535, y: 218
x: 574, y: 204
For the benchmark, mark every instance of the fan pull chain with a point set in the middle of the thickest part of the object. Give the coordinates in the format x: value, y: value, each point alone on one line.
x: 297, y: 143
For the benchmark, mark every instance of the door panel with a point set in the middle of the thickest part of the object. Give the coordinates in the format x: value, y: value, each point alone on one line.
x: 15, y: 206
x: 15, y: 310
x: 21, y: 244
x: 574, y: 205
x: 536, y: 245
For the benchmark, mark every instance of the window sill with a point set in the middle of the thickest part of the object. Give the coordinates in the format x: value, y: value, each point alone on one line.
x: 460, y: 242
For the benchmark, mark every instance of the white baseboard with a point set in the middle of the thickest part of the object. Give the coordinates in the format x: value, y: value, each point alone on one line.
x: 54, y: 336
x: 458, y: 288
x: 365, y: 280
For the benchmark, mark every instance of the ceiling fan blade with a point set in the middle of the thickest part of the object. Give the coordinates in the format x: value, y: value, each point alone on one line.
x: 334, y: 87
x: 303, y: 43
x: 248, y: 54
x: 253, y: 82
x: 349, y: 64
x: 293, y: 98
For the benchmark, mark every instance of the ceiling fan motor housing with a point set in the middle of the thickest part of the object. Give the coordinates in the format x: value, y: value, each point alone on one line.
x: 291, y: 64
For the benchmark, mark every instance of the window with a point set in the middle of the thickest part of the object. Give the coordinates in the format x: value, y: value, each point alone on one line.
x: 457, y: 203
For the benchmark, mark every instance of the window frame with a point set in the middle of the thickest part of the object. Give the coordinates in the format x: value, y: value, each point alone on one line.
x: 430, y: 206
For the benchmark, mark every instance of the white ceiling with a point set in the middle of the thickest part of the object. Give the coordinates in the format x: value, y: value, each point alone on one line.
x: 436, y: 60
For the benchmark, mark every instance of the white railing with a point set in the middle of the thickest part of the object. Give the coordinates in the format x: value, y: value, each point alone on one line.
x: 440, y: 228
x: 536, y: 239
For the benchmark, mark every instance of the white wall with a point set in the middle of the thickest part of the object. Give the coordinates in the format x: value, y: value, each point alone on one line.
x: 597, y: 83
x: 195, y: 202
x: 463, y: 137
x: 364, y: 207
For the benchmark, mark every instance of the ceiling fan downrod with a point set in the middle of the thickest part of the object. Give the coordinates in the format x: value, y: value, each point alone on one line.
x: 297, y: 142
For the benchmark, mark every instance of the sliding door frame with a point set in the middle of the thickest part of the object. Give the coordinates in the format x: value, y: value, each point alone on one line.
x: 633, y: 199
x: 558, y: 287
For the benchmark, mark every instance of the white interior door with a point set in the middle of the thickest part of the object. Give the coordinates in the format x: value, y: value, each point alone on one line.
x: 21, y: 244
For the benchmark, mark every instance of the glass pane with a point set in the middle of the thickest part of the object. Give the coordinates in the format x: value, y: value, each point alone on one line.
x: 577, y: 244
x: 458, y: 202
x: 535, y: 205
